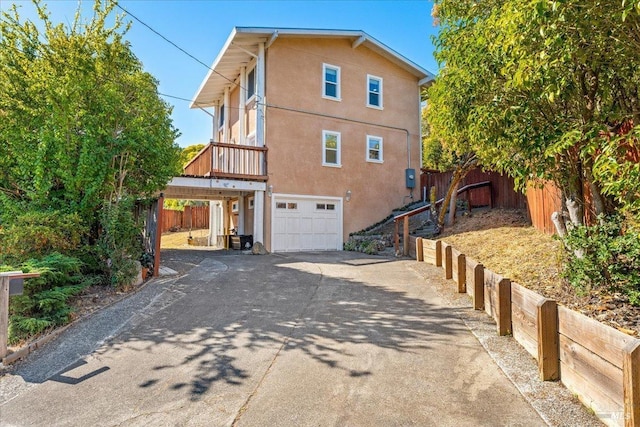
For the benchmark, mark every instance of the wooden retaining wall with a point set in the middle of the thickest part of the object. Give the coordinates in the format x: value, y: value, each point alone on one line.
x: 596, y: 362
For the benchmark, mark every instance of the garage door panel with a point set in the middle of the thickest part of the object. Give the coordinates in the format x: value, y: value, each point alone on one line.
x: 301, y: 224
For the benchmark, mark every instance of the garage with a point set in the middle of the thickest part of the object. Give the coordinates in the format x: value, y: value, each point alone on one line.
x: 306, y: 223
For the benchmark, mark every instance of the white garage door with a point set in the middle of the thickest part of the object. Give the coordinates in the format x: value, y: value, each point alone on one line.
x: 306, y: 224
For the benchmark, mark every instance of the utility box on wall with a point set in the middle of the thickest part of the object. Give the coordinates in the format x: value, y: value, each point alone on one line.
x: 410, y: 177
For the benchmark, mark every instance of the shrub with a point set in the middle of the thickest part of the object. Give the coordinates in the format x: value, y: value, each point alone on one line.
x: 37, y: 233
x: 119, y: 245
x: 369, y: 246
x: 604, y: 256
x: 44, y: 303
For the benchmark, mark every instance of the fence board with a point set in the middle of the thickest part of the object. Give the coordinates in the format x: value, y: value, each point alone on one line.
x: 609, y: 411
x: 524, y: 331
x: 432, y: 252
x: 502, y: 186
x: 593, y: 335
x: 542, y: 202
x: 193, y: 217
x: 597, y: 372
x: 527, y: 300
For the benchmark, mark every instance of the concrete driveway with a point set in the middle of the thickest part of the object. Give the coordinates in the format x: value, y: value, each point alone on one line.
x: 316, y: 339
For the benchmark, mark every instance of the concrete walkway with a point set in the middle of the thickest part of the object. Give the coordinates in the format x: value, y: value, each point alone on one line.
x: 318, y: 339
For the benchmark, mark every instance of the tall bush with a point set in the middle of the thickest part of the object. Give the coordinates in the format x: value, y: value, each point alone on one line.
x: 37, y: 233
x: 605, y: 256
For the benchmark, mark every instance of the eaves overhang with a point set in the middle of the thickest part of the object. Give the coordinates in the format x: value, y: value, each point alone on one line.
x: 241, y: 47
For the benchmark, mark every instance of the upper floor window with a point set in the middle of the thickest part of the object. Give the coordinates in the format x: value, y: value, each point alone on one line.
x: 251, y: 83
x: 374, y: 91
x: 331, y: 86
x: 330, y: 148
x: 221, y: 122
x: 374, y: 149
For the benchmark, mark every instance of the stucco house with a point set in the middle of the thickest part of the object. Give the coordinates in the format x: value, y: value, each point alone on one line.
x: 316, y: 134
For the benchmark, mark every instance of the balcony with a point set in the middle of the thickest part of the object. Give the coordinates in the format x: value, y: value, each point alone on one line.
x: 229, y: 161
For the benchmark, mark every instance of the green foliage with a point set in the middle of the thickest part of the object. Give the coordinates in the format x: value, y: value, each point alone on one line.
x: 36, y: 233
x: 119, y: 245
x: 44, y: 303
x: 538, y: 89
x: 370, y: 246
x: 188, y: 153
x: 81, y: 122
x: 604, y: 256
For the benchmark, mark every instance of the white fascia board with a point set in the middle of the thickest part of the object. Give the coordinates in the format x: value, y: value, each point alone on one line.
x: 411, y: 66
x: 217, y: 184
x: 427, y: 81
x: 360, y: 36
x: 216, y: 61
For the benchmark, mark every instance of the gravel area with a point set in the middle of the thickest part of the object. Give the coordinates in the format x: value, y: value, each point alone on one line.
x: 554, y: 402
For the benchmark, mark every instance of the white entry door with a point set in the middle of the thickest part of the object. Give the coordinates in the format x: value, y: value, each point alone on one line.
x: 306, y: 223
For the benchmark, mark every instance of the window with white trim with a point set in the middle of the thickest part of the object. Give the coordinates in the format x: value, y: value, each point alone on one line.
x: 331, y: 82
x: 330, y: 148
x: 374, y: 91
x: 374, y: 149
x: 221, y: 121
x: 251, y: 83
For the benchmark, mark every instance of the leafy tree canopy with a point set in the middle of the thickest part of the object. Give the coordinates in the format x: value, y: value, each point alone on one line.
x: 188, y: 153
x: 543, y: 89
x: 81, y: 122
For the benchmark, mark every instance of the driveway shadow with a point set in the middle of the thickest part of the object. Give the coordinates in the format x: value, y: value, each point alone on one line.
x: 215, y: 322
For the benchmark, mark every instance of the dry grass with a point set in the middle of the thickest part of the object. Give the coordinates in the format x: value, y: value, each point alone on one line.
x: 504, y: 242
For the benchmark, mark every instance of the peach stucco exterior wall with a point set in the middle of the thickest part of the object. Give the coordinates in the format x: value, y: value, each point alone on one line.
x: 294, y: 80
x: 233, y: 111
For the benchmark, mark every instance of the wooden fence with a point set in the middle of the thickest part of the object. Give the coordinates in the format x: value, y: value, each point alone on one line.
x: 503, y: 195
x: 542, y: 202
x: 596, y: 362
x: 193, y: 217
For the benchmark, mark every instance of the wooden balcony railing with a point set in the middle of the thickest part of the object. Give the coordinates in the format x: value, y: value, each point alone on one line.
x: 233, y: 161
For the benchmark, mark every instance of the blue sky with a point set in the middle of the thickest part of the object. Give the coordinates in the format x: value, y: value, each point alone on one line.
x: 202, y: 26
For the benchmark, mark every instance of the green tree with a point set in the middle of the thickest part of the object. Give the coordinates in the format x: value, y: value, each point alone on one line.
x: 82, y: 124
x: 83, y: 133
x: 543, y: 90
x: 188, y: 153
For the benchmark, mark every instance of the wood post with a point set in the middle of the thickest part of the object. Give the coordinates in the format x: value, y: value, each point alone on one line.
x: 461, y: 270
x: 631, y: 383
x: 448, y: 263
x: 5, y: 278
x: 4, y: 313
x: 397, y: 236
x: 503, y: 307
x: 438, y: 253
x: 405, y: 236
x: 478, y: 287
x: 548, y: 344
x: 419, y: 250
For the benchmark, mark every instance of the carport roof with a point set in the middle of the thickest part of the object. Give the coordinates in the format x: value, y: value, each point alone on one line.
x: 242, y: 46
